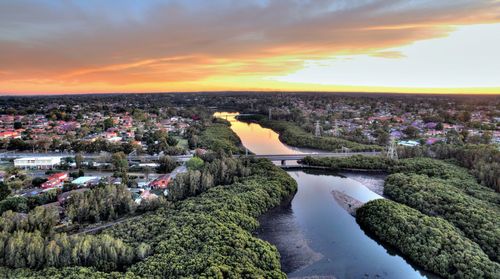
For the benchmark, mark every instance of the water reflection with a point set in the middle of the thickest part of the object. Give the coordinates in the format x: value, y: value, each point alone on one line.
x: 315, y: 235
x: 259, y: 140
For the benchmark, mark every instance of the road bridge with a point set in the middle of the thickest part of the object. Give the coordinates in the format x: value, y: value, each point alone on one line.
x: 295, y: 157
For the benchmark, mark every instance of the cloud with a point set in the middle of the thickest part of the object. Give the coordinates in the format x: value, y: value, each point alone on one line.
x: 163, y: 41
x: 388, y: 54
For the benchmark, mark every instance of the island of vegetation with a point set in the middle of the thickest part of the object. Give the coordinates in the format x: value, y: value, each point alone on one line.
x: 433, y: 203
x: 432, y: 242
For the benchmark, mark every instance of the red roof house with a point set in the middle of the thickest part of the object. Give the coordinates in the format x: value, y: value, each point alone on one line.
x: 161, y: 182
x: 55, y: 180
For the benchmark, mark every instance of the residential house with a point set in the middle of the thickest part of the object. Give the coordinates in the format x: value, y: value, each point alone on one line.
x: 86, y: 181
x: 56, y: 180
x: 160, y: 182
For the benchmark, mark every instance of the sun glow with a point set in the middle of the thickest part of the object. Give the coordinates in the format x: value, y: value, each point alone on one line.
x: 418, y: 47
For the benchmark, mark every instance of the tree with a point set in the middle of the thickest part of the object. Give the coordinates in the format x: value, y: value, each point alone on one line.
x: 195, y: 163
x: 465, y: 116
x: 37, y: 181
x: 486, y: 137
x: 411, y: 132
x: 120, y: 164
x: 166, y: 164
x: 382, y: 137
x: 147, y: 172
x: 44, y: 144
x: 79, y: 160
x: 18, y: 125
x: 108, y: 123
x: 453, y: 137
x: 4, y: 191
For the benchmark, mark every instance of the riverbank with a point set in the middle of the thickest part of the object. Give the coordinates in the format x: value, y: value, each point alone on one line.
x: 317, y: 236
x: 219, y: 137
x: 208, y: 235
x: 347, y: 202
x: 314, y: 234
x: 302, y: 166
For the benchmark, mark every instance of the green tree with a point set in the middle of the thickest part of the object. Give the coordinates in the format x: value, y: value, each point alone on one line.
x: 195, y: 163
x: 79, y: 160
x: 411, y: 132
x: 4, y: 191
x: 120, y: 165
x: 108, y: 123
x: 18, y: 125
x: 166, y: 164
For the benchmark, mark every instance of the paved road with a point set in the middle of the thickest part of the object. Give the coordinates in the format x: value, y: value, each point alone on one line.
x: 105, y: 226
x: 179, y: 169
x: 184, y: 158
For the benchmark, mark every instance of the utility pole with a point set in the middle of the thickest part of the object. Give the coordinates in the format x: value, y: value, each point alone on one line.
x: 336, y: 131
x: 269, y: 113
x: 317, y: 133
x: 391, y: 150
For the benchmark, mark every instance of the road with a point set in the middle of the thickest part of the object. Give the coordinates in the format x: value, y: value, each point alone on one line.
x: 184, y: 158
x: 105, y: 226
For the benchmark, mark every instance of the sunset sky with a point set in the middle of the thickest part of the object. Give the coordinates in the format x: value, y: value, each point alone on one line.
x: 89, y: 46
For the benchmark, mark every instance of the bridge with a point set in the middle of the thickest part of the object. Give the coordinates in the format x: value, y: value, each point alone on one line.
x: 295, y: 157
x: 226, y: 115
x: 182, y: 158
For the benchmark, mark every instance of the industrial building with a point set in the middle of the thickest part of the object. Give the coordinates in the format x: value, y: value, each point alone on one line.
x: 37, y: 162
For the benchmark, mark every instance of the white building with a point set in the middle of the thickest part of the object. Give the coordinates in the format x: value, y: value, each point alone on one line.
x: 410, y: 143
x: 37, y: 162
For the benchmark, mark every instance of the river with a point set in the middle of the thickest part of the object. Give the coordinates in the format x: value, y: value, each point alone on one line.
x: 314, y: 234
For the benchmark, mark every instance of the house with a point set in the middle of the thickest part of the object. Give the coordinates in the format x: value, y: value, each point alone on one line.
x: 142, y: 183
x: 410, y: 143
x: 160, y: 182
x: 9, y: 135
x: 114, y: 139
x: 55, y: 180
x: 86, y: 181
x: 37, y: 162
x: 142, y: 195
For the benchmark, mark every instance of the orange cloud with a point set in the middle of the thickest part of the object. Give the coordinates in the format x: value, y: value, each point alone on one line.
x: 388, y: 54
x: 70, y: 48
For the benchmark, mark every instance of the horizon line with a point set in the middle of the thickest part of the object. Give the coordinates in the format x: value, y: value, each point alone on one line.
x: 40, y: 94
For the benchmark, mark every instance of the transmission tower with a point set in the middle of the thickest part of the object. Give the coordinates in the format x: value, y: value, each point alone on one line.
x: 391, y: 150
x: 317, y: 132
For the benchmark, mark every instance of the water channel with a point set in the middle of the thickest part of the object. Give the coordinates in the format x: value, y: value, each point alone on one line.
x: 314, y: 234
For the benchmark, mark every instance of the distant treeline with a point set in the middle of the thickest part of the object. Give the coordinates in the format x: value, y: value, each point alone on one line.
x: 482, y: 160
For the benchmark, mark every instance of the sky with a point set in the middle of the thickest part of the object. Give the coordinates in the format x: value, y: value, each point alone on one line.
x: 94, y: 46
